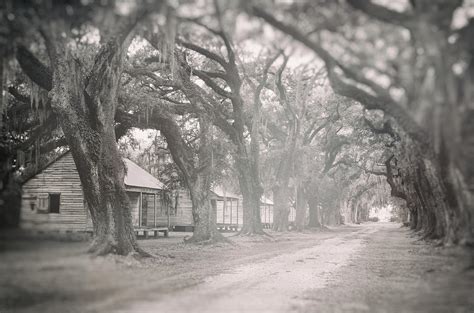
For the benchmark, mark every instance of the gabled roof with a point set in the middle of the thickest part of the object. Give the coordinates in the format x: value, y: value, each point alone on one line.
x: 135, y: 175
x: 265, y: 200
x: 138, y: 177
x: 221, y: 192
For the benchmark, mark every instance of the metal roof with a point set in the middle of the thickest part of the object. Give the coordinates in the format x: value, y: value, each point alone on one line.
x: 138, y: 177
x: 265, y: 200
x: 221, y: 192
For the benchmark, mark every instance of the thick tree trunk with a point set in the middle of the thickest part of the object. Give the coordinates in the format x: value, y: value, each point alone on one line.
x: 204, y: 215
x: 281, y: 188
x: 248, y: 168
x: 102, y: 172
x: 199, y: 184
x: 281, y: 210
x: 251, y: 193
x: 110, y: 212
x: 10, y: 192
x: 448, y: 95
x: 86, y: 110
x: 314, y: 214
x: 301, y: 202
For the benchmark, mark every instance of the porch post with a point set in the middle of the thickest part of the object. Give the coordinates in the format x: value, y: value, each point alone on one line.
x: 154, y: 208
x: 168, y: 213
x: 140, y: 207
x: 237, y: 212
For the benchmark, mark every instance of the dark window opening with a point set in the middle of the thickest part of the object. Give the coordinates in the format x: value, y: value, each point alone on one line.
x: 54, y: 201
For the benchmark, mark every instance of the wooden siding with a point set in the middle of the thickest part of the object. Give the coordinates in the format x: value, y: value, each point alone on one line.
x: 266, y: 214
x: 184, y: 211
x: 60, y: 177
x: 134, y: 198
x: 229, y: 211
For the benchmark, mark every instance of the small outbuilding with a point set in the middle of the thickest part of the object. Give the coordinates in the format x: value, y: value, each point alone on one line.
x: 53, y: 199
x: 228, y: 208
x: 266, y: 212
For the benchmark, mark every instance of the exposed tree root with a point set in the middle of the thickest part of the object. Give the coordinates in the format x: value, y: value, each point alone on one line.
x: 145, y: 254
x: 318, y: 228
x: 215, y: 237
x: 102, y: 247
x: 105, y: 247
x: 255, y: 233
x: 140, y: 254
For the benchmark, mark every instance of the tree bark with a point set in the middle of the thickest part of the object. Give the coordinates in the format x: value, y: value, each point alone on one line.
x: 86, y: 113
x: 443, y: 109
x: 314, y: 214
x: 251, y: 193
x: 86, y: 105
x: 204, y: 215
x: 196, y: 170
x: 301, y: 202
x: 281, y: 211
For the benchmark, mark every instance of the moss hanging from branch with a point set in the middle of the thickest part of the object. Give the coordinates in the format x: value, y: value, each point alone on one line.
x: 4, y: 71
x: 38, y: 100
x: 170, y: 38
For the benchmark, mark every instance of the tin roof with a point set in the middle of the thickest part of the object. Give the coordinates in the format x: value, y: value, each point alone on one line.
x: 265, y: 200
x: 221, y: 192
x: 138, y: 177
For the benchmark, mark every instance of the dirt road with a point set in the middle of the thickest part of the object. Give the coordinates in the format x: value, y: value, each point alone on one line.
x: 272, y: 285
x: 369, y: 268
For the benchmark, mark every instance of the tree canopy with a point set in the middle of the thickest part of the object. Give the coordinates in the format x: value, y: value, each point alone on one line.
x: 330, y: 107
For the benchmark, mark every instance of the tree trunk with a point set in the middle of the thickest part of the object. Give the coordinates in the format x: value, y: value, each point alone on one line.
x: 110, y: 209
x: 314, y: 214
x: 248, y: 167
x: 10, y: 191
x: 204, y: 215
x: 86, y: 110
x: 301, y: 202
x: 281, y: 188
x: 251, y: 192
x: 281, y: 211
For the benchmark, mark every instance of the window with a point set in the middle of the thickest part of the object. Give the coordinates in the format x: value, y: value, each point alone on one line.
x: 43, y: 203
x: 32, y: 205
x: 54, y: 202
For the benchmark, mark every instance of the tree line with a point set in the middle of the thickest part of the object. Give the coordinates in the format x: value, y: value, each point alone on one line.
x: 326, y: 105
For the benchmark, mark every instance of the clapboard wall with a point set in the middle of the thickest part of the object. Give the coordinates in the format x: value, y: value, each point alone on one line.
x: 60, y: 177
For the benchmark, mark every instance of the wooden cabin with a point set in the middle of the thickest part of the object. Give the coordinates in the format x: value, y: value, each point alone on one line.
x: 53, y: 199
x: 181, y: 218
x: 227, y: 205
x: 228, y: 208
x: 266, y: 212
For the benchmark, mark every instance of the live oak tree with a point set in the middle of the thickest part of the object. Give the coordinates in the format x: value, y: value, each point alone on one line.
x: 419, y: 83
x: 288, y: 129
x: 84, y: 97
x: 225, y: 80
x: 174, y: 97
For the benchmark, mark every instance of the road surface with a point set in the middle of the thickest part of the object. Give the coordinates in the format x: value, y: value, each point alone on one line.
x: 374, y: 269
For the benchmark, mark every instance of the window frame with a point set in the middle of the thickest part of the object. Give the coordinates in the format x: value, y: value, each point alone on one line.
x: 59, y: 202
